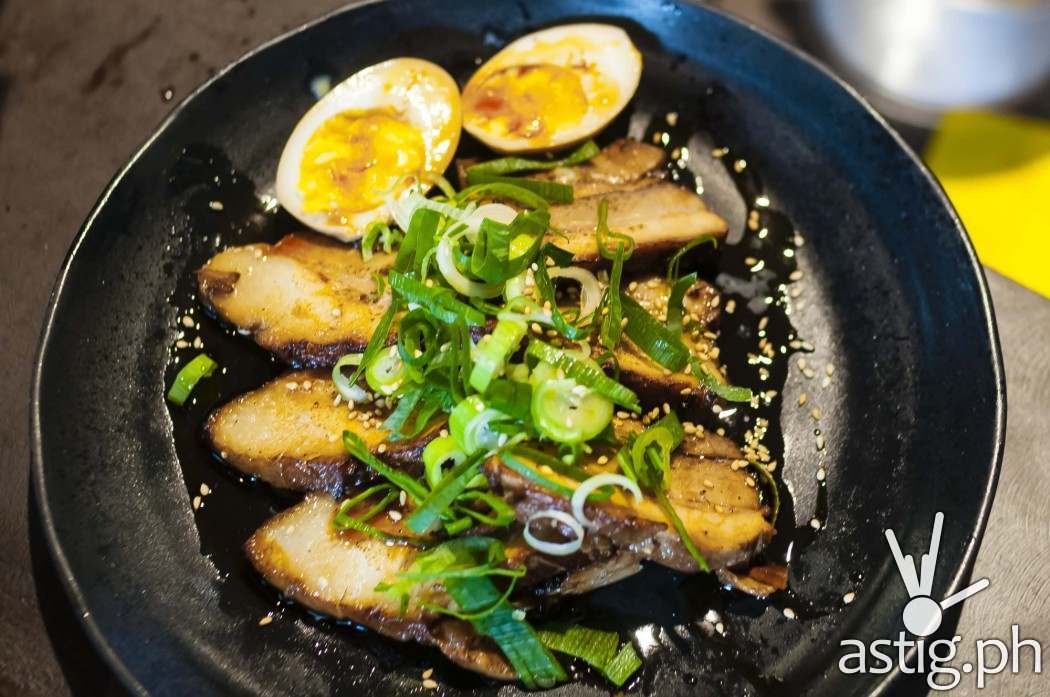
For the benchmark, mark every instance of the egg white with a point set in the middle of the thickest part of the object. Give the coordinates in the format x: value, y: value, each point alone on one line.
x: 422, y: 93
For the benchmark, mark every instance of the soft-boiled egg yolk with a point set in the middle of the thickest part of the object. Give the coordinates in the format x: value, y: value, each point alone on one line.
x: 528, y: 101
x: 552, y: 88
x: 355, y: 158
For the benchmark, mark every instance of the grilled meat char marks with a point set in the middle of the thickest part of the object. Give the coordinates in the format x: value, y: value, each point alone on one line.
x: 308, y: 299
x: 716, y: 498
x: 335, y: 573
x: 289, y: 434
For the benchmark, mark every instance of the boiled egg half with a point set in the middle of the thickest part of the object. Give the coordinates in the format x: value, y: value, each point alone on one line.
x: 384, y: 131
x: 552, y: 88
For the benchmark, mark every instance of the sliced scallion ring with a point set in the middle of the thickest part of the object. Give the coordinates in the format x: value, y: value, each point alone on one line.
x: 386, y: 372
x: 193, y: 372
x: 567, y: 412
x: 349, y: 391
x: 470, y: 425
x: 447, y: 265
x: 558, y: 549
x: 590, y: 290
x: 491, y: 353
x: 579, y: 497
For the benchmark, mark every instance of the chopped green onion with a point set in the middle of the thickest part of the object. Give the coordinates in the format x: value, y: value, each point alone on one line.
x: 567, y: 412
x: 546, y: 290
x: 675, y: 302
x: 471, y: 424
x: 676, y: 258
x: 356, y: 447
x: 502, y: 513
x: 666, y: 348
x: 441, y: 302
x: 344, y: 521
x: 386, y: 372
x: 717, y: 385
x: 623, y: 665
x: 513, y: 398
x: 534, y: 664
x: 524, y: 470
x: 554, y: 192
x: 441, y: 497
x: 513, y: 165
x: 491, y: 259
x: 646, y: 458
x: 505, y: 190
x: 378, y: 232
x: 419, y: 239
x: 585, y: 373
x: 349, y: 391
x: 188, y: 376
x: 491, y: 353
x: 595, y: 647
x: 377, y: 341
x: 653, y: 338
x: 438, y: 452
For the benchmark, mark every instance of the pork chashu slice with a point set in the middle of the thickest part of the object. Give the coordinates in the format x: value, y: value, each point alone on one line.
x: 336, y: 573
x: 308, y: 299
x: 711, y: 489
x: 289, y: 434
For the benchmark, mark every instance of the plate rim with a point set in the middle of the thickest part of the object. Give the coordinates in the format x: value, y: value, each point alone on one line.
x: 39, y: 486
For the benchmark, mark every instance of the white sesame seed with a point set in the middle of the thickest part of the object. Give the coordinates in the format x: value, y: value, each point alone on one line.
x: 802, y: 399
x: 266, y: 620
x: 196, y: 502
x: 430, y: 684
x: 215, y: 205
x: 427, y: 673
x: 205, y: 489
x: 394, y: 515
x: 187, y: 321
x: 789, y: 613
x: 849, y: 598
x: 821, y: 474
x: 815, y: 523
x: 820, y: 442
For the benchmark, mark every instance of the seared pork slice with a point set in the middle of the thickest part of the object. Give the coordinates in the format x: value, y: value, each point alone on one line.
x: 661, y: 218
x: 307, y: 298
x: 336, y: 573
x: 289, y: 434
x: 654, y: 384
x: 620, y: 166
x: 716, y: 498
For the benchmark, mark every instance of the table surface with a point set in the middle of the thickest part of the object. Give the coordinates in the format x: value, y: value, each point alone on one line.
x: 81, y: 86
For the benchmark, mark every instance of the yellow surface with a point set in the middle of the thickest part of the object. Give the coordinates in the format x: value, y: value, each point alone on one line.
x: 996, y: 170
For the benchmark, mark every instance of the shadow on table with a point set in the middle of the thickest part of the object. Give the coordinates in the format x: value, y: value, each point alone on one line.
x: 84, y: 671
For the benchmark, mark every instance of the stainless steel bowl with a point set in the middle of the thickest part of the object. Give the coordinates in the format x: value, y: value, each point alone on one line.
x: 916, y: 58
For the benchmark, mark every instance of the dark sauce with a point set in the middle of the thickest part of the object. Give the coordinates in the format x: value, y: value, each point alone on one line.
x: 221, y: 207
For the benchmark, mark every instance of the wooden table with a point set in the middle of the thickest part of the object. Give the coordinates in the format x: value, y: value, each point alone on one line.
x: 82, y: 84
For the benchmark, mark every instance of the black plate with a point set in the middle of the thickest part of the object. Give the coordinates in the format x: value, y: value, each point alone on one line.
x: 895, y: 300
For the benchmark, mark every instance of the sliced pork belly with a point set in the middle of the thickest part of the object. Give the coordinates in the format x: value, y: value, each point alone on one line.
x: 714, y: 495
x: 661, y: 218
x: 620, y: 166
x: 307, y: 298
x: 336, y: 573
x: 289, y: 434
